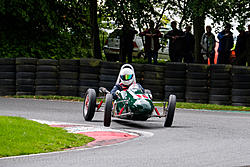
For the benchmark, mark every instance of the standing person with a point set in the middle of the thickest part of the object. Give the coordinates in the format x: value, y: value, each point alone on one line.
x: 175, y: 37
x: 188, y: 45
x: 241, y: 47
x: 152, y: 44
x: 247, y: 45
x: 208, y: 45
x: 226, y: 43
x: 126, y: 42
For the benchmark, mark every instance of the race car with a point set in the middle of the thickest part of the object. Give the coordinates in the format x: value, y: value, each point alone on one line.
x: 133, y: 104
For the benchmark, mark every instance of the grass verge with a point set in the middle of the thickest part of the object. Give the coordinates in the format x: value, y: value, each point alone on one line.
x: 178, y: 105
x: 19, y: 136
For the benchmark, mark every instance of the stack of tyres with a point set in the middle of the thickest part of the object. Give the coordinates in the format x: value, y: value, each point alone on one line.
x: 220, y: 84
x: 154, y: 80
x: 68, y: 77
x: 175, y: 80
x: 89, y: 75
x: 46, y: 77
x: 25, y: 76
x: 139, y: 68
x: 7, y: 76
x: 197, y: 83
x: 240, y: 86
x: 108, y: 74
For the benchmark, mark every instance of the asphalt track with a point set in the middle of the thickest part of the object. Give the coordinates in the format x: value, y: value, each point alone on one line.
x: 197, y: 138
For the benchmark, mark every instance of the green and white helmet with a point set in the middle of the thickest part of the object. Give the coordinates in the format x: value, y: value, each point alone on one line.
x: 126, y: 75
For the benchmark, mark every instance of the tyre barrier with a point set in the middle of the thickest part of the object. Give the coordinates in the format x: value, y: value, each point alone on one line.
x: 46, y: 77
x: 197, y: 83
x: 139, y: 72
x: 175, y: 80
x: 89, y: 75
x: 25, y: 76
x: 153, y: 75
x: 7, y: 76
x: 108, y: 74
x: 220, y: 84
x: 240, y: 86
x: 68, y: 77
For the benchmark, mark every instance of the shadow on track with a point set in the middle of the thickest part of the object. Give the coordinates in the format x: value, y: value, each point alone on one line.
x: 138, y: 124
x: 146, y: 124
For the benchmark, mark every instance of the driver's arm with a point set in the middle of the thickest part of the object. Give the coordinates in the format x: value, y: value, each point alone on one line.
x: 115, y: 88
x: 140, y: 87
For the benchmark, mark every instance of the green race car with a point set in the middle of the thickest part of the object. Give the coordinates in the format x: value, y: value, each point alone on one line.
x: 132, y: 104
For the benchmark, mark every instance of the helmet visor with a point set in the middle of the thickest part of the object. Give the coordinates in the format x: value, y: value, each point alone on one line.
x: 126, y: 77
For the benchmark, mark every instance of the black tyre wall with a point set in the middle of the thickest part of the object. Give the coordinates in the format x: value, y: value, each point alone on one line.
x: 7, y: 76
x: 220, y: 84
x: 197, y: 83
x: 25, y: 76
x: 46, y: 77
x: 240, y: 86
x: 88, y: 75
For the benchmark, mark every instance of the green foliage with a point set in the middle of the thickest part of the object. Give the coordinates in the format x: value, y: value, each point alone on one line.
x: 44, y: 29
x: 135, y: 13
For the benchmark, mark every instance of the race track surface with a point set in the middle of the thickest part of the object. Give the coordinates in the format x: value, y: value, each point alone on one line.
x: 197, y: 138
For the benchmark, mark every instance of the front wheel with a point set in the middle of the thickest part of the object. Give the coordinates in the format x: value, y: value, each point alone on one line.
x: 89, y: 105
x: 170, y: 111
x: 108, y: 110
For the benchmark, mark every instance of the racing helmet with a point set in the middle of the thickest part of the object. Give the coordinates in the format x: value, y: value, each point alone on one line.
x: 127, y: 76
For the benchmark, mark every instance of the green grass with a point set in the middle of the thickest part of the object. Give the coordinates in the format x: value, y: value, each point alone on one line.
x: 211, y: 106
x: 51, y: 97
x: 19, y: 136
x: 178, y: 105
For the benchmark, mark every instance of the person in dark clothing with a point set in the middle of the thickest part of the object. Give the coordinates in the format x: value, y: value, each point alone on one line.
x: 188, y: 45
x: 208, y: 45
x: 225, y: 45
x: 240, y: 47
x: 152, y: 44
x: 175, y: 37
x: 126, y: 43
x: 247, y: 45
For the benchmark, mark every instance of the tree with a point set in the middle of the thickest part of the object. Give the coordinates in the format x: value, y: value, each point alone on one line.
x: 95, y: 40
x: 44, y: 28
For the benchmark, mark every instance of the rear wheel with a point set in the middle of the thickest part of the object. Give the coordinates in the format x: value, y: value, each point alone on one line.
x: 89, y: 104
x: 108, y: 110
x: 170, y: 111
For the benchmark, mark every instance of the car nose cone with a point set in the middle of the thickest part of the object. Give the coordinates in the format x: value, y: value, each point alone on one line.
x: 143, y: 106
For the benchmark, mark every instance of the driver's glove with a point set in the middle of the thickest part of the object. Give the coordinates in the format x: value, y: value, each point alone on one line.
x: 117, y: 92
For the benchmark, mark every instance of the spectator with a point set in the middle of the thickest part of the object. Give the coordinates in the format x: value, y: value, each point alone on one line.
x: 208, y: 45
x: 225, y: 45
x: 126, y: 42
x: 175, y: 37
x: 247, y: 45
x: 241, y: 47
x: 152, y: 44
x: 188, y: 45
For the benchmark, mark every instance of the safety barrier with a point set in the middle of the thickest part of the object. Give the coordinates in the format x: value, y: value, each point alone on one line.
x: 199, y: 83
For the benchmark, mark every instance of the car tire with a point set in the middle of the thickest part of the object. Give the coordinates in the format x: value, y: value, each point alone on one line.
x: 108, y: 110
x: 7, y: 68
x: 171, y: 110
x: 89, y: 105
x: 197, y: 68
x: 47, y: 62
x: 46, y: 68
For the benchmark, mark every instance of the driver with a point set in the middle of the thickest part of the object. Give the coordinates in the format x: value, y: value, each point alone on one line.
x: 125, y: 79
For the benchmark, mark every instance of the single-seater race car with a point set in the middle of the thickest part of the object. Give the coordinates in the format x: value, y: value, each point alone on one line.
x: 133, y: 104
